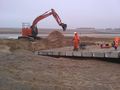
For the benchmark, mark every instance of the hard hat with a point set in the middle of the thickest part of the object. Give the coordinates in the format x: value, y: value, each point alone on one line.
x: 75, y: 32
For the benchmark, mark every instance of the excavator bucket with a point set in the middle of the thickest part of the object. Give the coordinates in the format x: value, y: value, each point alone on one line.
x: 64, y: 26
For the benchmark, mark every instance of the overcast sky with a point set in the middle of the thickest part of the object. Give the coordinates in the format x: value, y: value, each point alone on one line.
x: 75, y: 13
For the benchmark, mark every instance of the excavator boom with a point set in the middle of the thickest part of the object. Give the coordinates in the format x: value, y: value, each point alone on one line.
x: 48, y: 13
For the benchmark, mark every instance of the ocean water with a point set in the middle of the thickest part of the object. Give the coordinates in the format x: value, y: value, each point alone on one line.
x: 15, y: 36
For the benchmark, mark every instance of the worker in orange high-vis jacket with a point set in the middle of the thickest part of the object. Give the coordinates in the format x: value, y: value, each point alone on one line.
x: 76, y: 40
x: 116, y: 42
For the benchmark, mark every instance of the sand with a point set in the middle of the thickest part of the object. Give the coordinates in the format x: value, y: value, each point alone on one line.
x: 21, y: 69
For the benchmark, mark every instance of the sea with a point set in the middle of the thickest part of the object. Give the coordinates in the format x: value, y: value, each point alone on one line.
x: 15, y: 36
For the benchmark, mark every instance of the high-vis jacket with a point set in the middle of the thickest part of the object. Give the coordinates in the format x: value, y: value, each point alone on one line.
x: 76, y: 40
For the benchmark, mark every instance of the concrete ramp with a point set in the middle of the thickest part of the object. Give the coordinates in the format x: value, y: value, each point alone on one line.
x: 91, y: 52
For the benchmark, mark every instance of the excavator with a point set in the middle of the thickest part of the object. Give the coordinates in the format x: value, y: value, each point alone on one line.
x: 32, y: 31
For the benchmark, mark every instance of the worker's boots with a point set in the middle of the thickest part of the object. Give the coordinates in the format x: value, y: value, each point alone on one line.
x: 115, y: 47
x: 75, y: 49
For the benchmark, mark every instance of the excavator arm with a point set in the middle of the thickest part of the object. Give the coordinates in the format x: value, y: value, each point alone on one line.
x: 46, y: 14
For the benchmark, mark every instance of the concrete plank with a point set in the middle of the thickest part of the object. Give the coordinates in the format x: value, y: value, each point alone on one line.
x: 43, y: 53
x: 76, y: 53
x: 86, y: 54
x: 69, y: 53
x: 49, y: 53
x: 99, y: 54
x: 112, y: 55
x: 62, y: 53
x: 55, y: 53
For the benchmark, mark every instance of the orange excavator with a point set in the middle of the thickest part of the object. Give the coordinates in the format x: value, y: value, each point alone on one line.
x: 32, y: 31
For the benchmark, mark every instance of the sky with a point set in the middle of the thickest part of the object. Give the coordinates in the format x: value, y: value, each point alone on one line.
x: 75, y: 13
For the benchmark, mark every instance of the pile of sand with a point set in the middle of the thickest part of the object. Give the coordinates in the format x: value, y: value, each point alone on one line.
x: 55, y: 35
x: 56, y: 39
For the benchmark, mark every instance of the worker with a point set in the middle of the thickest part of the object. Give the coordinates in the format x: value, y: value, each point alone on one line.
x: 116, y: 42
x: 76, y: 40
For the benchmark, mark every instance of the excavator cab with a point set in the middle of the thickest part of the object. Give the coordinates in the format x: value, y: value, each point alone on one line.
x: 26, y: 30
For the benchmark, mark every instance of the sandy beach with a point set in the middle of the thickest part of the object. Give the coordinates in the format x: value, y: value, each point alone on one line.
x: 21, y: 69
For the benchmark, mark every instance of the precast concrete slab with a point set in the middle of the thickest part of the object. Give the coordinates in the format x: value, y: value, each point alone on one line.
x: 55, y: 53
x: 86, y: 54
x: 50, y: 53
x: 68, y: 53
x: 76, y: 53
x: 98, y: 54
x: 112, y: 54
x: 62, y: 53
x: 42, y: 53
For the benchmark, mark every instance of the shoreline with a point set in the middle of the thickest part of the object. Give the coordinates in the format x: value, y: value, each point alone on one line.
x: 15, y: 36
